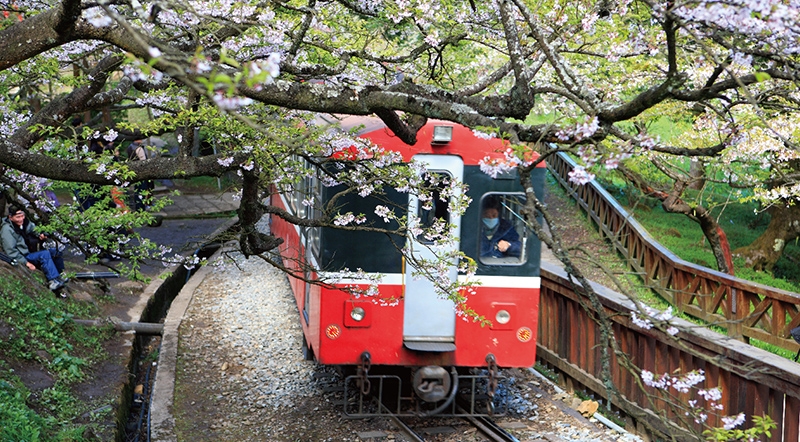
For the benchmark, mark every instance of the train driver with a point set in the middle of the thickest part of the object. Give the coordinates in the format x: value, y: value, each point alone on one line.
x: 499, y: 239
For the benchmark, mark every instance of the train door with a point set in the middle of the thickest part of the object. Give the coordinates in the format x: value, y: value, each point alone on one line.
x: 429, y: 321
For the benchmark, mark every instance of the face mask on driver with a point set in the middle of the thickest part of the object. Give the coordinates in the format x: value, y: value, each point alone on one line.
x: 491, y: 223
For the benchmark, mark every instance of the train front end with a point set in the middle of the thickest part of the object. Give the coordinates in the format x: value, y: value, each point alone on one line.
x: 397, y: 337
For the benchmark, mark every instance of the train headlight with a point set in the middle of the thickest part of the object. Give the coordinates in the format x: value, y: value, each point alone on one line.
x: 502, y: 317
x: 442, y: 134
x: 357, y: 313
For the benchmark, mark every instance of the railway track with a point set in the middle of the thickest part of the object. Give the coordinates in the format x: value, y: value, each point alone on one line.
x: 490, y: 428
x: 486, y: 426
x: 406, y: 429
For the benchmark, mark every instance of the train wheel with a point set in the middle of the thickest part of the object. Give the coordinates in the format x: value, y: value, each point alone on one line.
x: 308, y: 353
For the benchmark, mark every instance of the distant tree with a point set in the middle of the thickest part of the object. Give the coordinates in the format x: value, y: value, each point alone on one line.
x: 760, y: 166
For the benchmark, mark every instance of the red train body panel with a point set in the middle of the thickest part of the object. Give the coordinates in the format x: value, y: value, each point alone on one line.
x: 382, y: 337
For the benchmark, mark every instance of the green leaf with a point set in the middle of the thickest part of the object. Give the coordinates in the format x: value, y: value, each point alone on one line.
x: 762, y: 76
x: 225, y: 59
x: 207, y: 83
x: 223, y: 78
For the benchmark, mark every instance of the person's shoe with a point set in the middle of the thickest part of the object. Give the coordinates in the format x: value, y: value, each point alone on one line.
x: 56, y: 284
x: 63, y: 279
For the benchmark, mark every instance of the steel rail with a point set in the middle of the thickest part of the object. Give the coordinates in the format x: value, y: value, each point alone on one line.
x: 407, y: 430
x: 490, y: 428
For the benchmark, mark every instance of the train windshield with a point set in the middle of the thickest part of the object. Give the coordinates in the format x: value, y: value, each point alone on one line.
x: 503, y: 231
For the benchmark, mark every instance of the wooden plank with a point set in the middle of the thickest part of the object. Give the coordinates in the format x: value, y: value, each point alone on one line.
x: 775, y: 409
x: 641, y: 414
x: 713, y: 380
x: 761, y: 400
x: 778, y: 317
x: 774, y: 371
x: 564, y: 332
x: 647, y: 361
x: 791, y: 420
x: 616, y: 369
x: 573, y: 325
x: 544, y: 318
x: 592, y: 362
x: 758, y: 312
x: 728, y: 393
x: 741, y: 388
x: 702, y: 366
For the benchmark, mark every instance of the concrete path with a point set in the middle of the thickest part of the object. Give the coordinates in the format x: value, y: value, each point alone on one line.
x: 191, y: 205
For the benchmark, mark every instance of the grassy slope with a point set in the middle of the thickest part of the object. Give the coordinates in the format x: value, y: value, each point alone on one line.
x: 43, y: 357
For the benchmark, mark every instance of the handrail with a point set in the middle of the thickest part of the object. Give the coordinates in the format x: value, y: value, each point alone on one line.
x: 753, y: 381
x: 744, y: 308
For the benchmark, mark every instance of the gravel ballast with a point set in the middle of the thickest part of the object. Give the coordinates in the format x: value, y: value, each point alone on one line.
x: 241, y: 376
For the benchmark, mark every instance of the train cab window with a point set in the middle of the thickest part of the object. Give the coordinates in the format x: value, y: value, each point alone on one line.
x: 436, y: 208
x: 503, y: 231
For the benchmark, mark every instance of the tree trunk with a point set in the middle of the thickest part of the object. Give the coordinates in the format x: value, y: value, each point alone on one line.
x: 765, y: 251
x: 251, y: 241
x: 673, y: 203
x: 697, y: 174
x: 711, y: 229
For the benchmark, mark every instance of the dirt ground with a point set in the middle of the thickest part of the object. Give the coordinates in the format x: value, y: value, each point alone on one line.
x: 594, y: 257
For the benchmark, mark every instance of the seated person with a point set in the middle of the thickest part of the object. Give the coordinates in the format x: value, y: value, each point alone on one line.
x: 499, y: 239
x: 21, y: 243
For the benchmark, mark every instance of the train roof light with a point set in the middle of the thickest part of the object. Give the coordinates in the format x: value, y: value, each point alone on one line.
x: 442, y: 134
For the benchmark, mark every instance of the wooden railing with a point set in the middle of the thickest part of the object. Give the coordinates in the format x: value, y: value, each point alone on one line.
x: 745, y: 309
x: 753, y: 381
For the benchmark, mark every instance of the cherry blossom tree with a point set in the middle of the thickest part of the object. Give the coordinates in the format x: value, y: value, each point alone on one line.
x: 250, y: 77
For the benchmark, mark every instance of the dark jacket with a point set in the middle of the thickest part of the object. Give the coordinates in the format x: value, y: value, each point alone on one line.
x: 505, y: 232
x: 18, y: 242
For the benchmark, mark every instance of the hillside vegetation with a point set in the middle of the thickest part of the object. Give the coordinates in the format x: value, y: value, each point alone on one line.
x: 46, y: 362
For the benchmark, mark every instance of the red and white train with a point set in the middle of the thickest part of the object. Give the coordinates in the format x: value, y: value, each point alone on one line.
x: 422, y: 333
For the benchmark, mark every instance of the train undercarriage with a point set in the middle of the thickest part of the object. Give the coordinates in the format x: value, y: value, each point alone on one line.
x: 422, y: 391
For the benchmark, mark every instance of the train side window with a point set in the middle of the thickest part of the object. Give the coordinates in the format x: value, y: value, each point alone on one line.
x: 314, y: 186
x: 301, y: 193
x: 503, y: 231
x: 288, y: 190
x: 436, y: 208
x: 293, y: 193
